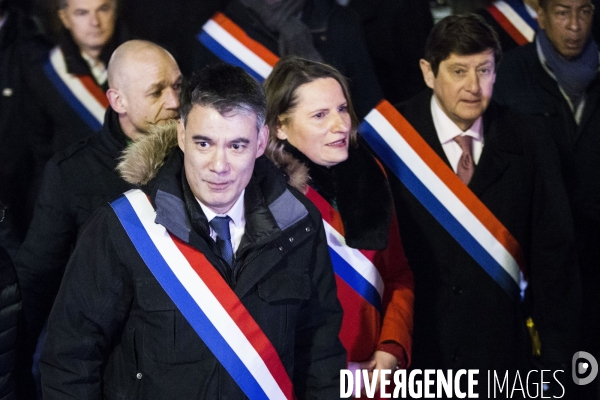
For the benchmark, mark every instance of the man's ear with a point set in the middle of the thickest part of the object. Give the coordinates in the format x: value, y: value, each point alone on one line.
x: 428, y: 75
x: 263, y: 139
x: 117, y: 101
x: 62, y: 14
x: 181, y: 134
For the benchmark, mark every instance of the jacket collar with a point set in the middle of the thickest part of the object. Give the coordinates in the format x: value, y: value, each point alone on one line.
x: 270, y: 208
x: 111, y: 134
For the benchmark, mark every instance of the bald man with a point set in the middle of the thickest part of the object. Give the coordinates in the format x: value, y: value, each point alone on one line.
x: 144, y: 82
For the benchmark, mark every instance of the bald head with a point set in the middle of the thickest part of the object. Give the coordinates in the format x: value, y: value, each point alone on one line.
x: 144, y: 84
x: 129, y: 56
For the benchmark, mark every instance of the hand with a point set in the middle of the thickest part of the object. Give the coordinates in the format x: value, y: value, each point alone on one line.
x: 379, y: 360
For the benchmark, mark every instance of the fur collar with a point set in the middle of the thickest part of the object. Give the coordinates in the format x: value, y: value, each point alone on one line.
x: 142, y: 160
x: 362, y: 194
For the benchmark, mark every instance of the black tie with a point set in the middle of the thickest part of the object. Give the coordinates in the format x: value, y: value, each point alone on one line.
x: 221, y: 227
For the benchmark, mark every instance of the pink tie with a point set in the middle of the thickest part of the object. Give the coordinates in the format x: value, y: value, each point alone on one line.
x: 465, y: 163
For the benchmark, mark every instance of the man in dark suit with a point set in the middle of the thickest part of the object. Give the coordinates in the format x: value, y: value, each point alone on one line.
x: 466, y: 315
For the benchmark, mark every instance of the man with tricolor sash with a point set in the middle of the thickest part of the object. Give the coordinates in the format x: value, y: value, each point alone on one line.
x: 482, y: 212
x: 68, y: 84
x: 212, y: 281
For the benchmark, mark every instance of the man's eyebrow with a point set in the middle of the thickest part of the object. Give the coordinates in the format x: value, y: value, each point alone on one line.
x: 240, y: 140
x: 156, y: 86
x: 201, y: 137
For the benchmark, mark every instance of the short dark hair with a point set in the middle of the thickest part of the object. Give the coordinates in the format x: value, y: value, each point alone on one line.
x: 226, y: 88
x: 464, y: 35
x: 287, y: 76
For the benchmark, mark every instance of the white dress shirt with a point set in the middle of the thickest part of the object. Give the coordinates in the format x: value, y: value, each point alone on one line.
x: 237, y: 224
x: 97, y: 67
x: 447, y: 130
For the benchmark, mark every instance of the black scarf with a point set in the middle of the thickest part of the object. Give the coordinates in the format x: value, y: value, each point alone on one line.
x: 359, y: 190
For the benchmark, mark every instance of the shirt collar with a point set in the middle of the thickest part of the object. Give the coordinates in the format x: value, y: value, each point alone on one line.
x: 449, y: 130
x: 236, y: 213
x: 97, y: 68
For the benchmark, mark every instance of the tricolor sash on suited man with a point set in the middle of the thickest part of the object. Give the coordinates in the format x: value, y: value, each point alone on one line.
x: 435, y: 185
x: 80, y: 91
x: 354, y: 267
x: 232, y: 45
x: 514, y: 18
x: 206, y: 301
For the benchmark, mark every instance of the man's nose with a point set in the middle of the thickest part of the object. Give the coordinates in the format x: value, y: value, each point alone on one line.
x: 472, y: 84
x: 94, y: 20
x: 172, y: 99
x: 219, y: 163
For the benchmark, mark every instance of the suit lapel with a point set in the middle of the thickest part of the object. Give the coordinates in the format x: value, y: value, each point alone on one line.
x: 492, y: 163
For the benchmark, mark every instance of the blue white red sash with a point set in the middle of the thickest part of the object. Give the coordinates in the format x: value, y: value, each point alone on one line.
x: 514, y: 18
x: 232, y: 45
x: 81, y: 92
x: 355, y: 267
x: 206, y: 301
x: 445, y: 196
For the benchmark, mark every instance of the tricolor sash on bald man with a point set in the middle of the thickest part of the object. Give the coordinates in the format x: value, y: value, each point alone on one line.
x: 353, y: 266
x: 231, y: 44
x: 206, y: 301
x: 80, y: 91
x: 445, y: 196
x: 514, y: 18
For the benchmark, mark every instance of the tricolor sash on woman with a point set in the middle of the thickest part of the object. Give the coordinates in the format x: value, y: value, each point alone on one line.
x: 232, y: 45
x: 80, y: 91
x: 206, y: 301
x: 514, y: 18
x: 353, y: 266
x: 435, y: 185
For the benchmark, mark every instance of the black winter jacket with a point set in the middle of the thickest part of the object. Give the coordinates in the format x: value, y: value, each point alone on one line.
x: 524, y: 85
x: 19, y: 41
x: 76, y: 182
x: 114, y: 333
x: 9, y: 312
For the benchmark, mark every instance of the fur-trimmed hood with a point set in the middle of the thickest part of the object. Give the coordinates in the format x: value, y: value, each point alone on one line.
x: 142, y: 160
